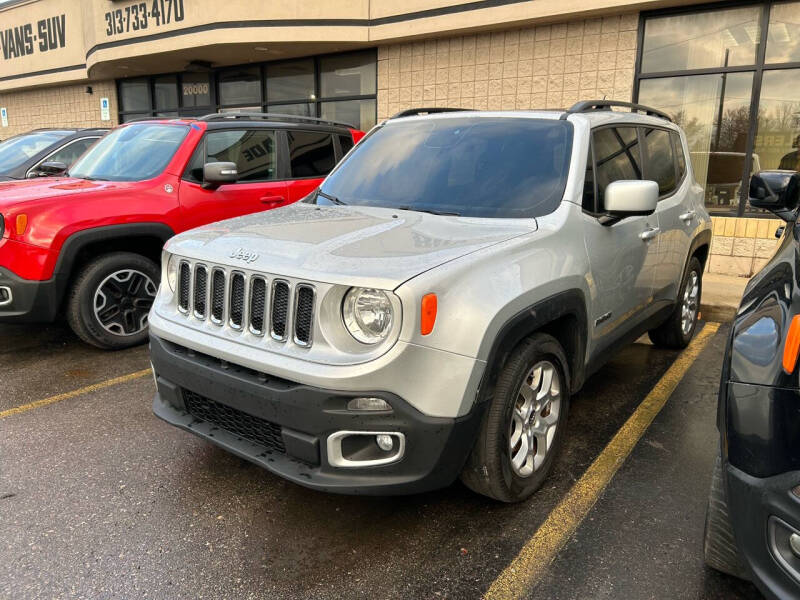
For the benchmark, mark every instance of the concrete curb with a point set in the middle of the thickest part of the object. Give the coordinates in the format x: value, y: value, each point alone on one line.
x: 718, y: 313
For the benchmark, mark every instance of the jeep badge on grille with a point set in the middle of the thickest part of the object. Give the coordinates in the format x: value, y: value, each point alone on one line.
x: 245, y: 255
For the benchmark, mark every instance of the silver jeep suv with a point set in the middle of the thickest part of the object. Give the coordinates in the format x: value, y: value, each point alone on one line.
x: 430, y: 309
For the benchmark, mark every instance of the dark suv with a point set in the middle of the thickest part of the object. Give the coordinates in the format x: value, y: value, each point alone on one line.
x: 38, y: 153
x: 753, y: 519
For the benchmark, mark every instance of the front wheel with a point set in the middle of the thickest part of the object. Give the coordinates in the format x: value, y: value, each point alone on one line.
x: 110, y: 300
x: 523, y: 426
x: 678, y: 329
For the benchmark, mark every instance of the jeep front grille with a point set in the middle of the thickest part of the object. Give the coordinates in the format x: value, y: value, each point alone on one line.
x: 232, y: 420
x: 249, y: 303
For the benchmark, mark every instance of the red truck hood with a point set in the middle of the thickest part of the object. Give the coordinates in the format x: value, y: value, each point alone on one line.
x: 14, y: 193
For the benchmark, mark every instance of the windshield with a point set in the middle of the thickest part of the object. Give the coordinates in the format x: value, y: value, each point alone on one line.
x: 16, y: 150
x: 131, y: 153
x: 471, y: 166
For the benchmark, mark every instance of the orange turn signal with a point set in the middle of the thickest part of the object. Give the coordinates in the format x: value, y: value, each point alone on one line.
x: 22, y: 223
x: 428, y: 319
x: 791, y: 347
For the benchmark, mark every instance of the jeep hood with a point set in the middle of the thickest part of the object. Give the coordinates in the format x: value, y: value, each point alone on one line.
x: 17, y: 191
x: 348, y: 245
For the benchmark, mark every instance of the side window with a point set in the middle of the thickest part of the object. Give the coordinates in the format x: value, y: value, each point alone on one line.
x: 311, y: 153
x: 588, y: 184
x: 70, y: 153
x: 680, y: 159
x: 660, y: 166
x: 617, y: 157
x: 253, y: 151
x: 346, y: 142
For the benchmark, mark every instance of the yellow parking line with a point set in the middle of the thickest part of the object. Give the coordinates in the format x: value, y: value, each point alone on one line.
x: 67, y: 395
x: 535, y: 557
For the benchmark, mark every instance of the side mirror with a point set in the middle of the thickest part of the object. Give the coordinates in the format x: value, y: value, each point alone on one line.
x: 217, y: 173
x: 777, y: 192
x: 630, y: 198
x: 48, y: 169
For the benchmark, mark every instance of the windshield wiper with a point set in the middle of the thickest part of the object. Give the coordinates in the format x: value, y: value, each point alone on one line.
x: 430, y: 211
x: 333, y: 199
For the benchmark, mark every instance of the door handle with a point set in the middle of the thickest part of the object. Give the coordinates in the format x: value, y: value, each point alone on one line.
x: 272, y: 199
x: 687, y: 216
x: 649, y: 234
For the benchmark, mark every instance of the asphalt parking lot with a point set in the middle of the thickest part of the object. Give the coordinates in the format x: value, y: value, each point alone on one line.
x: 100, y: 499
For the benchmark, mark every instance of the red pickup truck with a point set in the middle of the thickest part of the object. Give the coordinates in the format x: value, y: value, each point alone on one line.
x: 87, y: 244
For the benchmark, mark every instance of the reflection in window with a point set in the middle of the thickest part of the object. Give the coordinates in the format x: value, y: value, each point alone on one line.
x: 660, y: 165
x: 617, y: 158
x: 195, y: 89
x: 311, y: 153
x: 701, y: 40
x: 252, y: 151
x: 783, y: 41
x: 717, y: 138
x: 302, y: 110
x: 778, y: 134
x: 134, y: 95
x: 166, y: 92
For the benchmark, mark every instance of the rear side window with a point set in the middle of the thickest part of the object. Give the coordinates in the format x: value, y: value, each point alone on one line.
x: 346, y: 142
x: 253, y: 151
x: 660, y: 166
x: 617, y: 157
x: 71, y: 152
x: 680, y: 159
x: 311, y: 153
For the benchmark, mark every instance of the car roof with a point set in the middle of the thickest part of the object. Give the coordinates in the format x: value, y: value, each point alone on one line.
x: 256, y: 120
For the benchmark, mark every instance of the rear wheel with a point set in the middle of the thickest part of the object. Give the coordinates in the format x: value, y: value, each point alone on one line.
x: 678, y: 329
x: 719, y: 545
x: 523, y: 425
x: 110, y: 300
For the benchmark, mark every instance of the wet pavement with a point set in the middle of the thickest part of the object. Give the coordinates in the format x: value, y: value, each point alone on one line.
x: 100, y: 499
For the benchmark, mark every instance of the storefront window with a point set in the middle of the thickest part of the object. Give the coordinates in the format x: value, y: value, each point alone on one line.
x: 238, y: 87
x: 778, y: 134
x: 731, y: 133
x: 701, y: 40
x: 783, y: 42
x: 339, y: 87
x: 714, y: 112
x: 290, y: 81
x: 347, y: 75
x: 195, y: 89
x: 166, y: 92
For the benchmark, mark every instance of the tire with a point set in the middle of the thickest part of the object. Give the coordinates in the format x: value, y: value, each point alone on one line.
x: 491, y: 468
x: 674, y: 332
x: 131, y: 281
x: 719, y: 544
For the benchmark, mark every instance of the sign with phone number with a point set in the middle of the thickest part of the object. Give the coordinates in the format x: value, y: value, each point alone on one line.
x: 143, y: 15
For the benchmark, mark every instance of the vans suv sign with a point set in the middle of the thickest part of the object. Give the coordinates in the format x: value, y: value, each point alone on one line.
x: 24, y: 40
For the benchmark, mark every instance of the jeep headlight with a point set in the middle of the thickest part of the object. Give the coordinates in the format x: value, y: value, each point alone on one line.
x: 172, y: 272
x: 367, y: 314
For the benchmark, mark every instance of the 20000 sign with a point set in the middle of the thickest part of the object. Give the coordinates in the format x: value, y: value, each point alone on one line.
x: 142, y: 15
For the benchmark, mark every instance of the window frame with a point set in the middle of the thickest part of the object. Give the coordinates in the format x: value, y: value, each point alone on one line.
x: 758, y: 68
x: 265, y: 106
x: 337, y: 152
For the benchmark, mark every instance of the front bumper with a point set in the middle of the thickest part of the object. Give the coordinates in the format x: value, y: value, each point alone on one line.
x: 763, y: 512
x: 26, y: 301
x: 293, y: 422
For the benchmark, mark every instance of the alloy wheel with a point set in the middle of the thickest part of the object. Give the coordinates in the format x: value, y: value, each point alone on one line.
x: 534, y: 419
x: 122, y: 302
x: 691, y: 297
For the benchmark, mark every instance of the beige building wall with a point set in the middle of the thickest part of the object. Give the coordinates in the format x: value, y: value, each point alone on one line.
x: 548, y: 66
x: 62, y: 106
x: 742, y: 246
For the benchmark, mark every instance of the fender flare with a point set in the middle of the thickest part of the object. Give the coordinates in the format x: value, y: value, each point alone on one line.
x: 701, y: 239
x: 571, y: 302
x: 80, y: 239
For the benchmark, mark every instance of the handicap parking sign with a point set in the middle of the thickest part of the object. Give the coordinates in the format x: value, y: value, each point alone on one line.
x: 105, y: 113
x: 4, y: 117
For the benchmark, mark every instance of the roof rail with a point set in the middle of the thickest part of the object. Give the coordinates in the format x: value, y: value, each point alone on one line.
x: 592, y: 105
x: 413, y: 112
x: 259, y: 116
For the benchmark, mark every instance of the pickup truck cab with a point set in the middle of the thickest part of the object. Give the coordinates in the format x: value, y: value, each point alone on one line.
x: 88, y: 243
